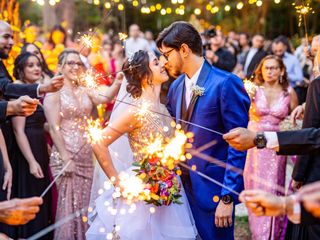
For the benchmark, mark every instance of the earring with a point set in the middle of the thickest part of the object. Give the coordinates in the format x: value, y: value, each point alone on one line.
x: 281, y: 79
x: 150, y: 83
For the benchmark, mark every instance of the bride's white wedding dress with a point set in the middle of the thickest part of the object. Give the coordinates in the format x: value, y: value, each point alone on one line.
x: 171, y: 222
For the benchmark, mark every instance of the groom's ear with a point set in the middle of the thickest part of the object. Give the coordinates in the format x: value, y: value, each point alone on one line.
x: 185, y: 50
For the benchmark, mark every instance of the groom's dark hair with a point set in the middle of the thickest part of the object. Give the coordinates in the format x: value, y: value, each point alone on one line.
x: 178, y: 33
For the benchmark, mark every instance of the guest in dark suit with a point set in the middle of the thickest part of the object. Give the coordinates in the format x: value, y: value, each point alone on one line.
x: 306, y: 141
x: 254, y: 55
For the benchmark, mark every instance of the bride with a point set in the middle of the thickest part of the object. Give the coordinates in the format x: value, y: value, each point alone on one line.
x: 127, y: 134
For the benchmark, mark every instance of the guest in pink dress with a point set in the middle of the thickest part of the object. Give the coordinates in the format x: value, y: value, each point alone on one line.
x: 272, y: 101
x: 67, y: 112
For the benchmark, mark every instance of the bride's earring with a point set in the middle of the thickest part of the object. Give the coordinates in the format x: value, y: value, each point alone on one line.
x: 150, y: 83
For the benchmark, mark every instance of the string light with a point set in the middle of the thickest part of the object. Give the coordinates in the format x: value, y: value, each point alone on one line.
x: 259, y: 3
x: 197, y: 11
x: 107, y: 5
x: 239, y: 5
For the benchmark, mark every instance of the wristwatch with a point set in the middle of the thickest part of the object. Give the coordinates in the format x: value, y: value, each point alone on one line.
x: 260, y: 140
x: 227, y: 199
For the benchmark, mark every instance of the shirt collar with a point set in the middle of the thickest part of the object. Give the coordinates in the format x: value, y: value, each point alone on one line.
x: 195, y: 76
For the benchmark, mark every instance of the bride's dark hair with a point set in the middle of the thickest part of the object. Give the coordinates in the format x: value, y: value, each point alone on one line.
x: 135, y: 69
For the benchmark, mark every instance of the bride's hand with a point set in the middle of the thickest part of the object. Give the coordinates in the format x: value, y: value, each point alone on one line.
x: 119, y: 77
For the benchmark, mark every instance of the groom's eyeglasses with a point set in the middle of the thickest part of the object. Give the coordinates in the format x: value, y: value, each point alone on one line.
x: 167, y: 53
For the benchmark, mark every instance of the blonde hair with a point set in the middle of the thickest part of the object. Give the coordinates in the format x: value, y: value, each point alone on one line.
x: 64, y: 54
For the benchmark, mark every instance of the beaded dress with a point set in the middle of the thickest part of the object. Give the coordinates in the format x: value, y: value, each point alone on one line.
x: 73, y: 189
x: 265, y: 169
x: 173, y: 222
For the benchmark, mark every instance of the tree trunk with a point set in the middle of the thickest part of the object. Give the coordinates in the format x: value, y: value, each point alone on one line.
x: 68, y: 13
x: 49, y: 16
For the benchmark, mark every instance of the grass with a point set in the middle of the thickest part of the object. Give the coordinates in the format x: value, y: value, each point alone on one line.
x: 241, y: 228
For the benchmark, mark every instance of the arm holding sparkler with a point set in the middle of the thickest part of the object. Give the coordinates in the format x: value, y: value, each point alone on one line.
x: 7, y: 182
x: 55, y: 84
x: 19, y: 211
x: 106, y: 93
x: 54, y: 119
x: 24, y: 145
x: 126, y: 123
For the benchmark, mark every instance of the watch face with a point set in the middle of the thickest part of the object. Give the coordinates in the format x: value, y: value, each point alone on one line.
x: 261, y: 141
x: 226, y: 199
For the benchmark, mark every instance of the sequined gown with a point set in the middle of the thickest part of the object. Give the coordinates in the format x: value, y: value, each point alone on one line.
x: 264, y: 169
x: 173, y: 222
x: 73, y: 189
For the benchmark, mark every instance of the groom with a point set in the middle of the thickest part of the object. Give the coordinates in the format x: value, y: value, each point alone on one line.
x: 214, y: 99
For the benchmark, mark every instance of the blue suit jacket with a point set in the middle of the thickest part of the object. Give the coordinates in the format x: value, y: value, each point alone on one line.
x: 224, y: 106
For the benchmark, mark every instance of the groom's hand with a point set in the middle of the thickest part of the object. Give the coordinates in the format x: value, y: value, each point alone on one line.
x: 223, y: 215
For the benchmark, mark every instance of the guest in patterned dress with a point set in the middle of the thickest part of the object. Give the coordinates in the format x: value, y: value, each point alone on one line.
x: 272, y: 101
x: 67, y: 112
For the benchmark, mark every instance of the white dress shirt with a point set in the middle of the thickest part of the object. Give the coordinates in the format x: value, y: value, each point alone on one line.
x: 189, y: 83
x: 133, y: 45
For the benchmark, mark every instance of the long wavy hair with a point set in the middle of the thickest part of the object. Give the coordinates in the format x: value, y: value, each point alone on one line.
x: 137, y: 69
x: 20, y: 63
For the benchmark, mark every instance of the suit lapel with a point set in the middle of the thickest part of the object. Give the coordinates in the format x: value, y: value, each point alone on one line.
x: 200, y: 82
x: 180, y: 95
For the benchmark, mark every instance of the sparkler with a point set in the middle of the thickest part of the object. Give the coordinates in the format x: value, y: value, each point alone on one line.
x: 94, y: 131
x: 122, y: 36
x: 132, y: 188
x: 87, y: 41
x: 303, y: 10
x: 89, y: 79
x: 250, y: 87
x: 55, y: 179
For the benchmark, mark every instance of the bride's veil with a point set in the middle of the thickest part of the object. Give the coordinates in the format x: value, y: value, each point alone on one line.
x: 120, y: 150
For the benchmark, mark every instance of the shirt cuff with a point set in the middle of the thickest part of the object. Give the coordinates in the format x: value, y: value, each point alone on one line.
x: 38, y: 92
x: 272, y: 140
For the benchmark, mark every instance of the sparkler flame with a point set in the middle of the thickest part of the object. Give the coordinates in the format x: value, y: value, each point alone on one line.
x: 94, y: 131
x: 89, y: 79
x: 122, y: 36
x: 132, y: 188
x: 250, y: 87
x: 87, y: 41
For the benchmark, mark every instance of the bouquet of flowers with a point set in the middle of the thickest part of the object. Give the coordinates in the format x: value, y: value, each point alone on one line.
x: 158, y: 169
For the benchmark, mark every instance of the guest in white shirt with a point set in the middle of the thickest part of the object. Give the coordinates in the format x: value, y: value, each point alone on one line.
x: 135, y: 43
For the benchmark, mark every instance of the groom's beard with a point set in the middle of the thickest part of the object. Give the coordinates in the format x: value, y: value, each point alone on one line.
x: 173, y: 73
